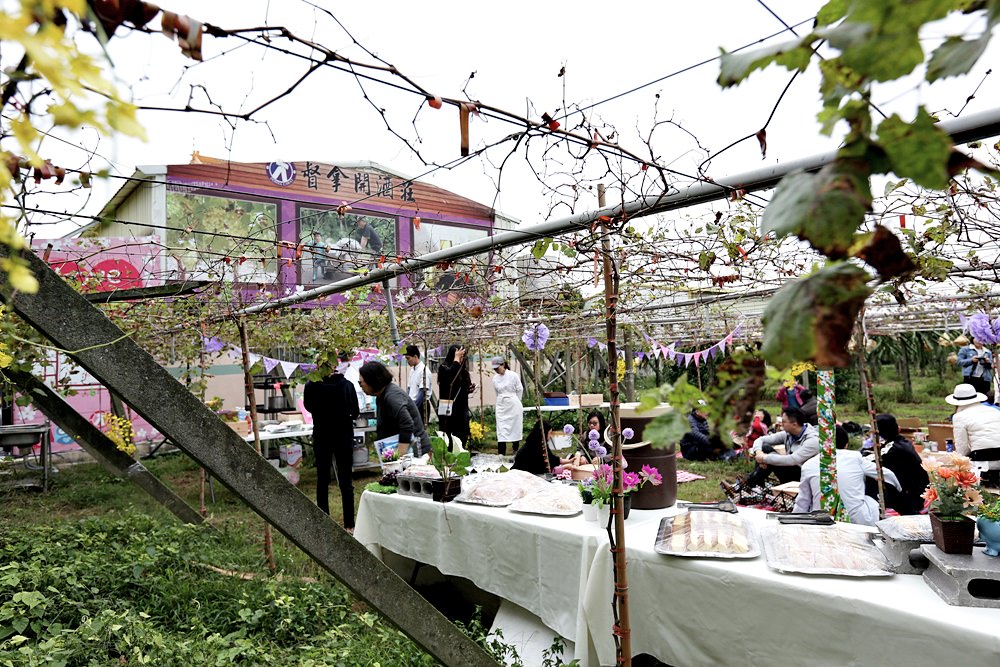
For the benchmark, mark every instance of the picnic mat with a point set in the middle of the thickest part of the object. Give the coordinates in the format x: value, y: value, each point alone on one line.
x: 685, y: 476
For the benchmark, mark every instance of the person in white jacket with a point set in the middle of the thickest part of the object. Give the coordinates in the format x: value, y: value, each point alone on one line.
x: 852, y: 468
x: 976, y: 425
x: 510, y: 413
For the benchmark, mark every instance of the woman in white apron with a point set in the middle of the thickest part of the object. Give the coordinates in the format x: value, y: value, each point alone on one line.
x: 510, y: 416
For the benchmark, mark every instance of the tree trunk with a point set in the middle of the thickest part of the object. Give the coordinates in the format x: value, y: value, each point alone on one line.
x: 904, y: 367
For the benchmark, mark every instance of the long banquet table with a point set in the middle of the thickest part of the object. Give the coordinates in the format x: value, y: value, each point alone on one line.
x: 684, y: 611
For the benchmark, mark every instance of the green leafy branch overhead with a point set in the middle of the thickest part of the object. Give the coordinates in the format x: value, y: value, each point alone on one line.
x: 873, y: 42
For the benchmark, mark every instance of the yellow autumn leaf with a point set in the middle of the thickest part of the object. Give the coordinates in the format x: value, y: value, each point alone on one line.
x: 22, y: 279
x: 121, y: 117
x: 26, y: 136
x: 69, y: 115
x: 5, y: 359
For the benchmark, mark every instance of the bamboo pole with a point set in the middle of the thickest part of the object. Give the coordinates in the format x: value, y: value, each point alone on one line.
x: 252, y: 400
x: 616, y: 525
x: 866, y: 386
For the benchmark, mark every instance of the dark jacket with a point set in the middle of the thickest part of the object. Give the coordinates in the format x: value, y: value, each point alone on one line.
x: 397, y: 413
x: 333, y: 403
x: 903, y: 460
x: 809, y: 410
x: 695, y: 445
x: 529, y: 458
x: 454, y: 383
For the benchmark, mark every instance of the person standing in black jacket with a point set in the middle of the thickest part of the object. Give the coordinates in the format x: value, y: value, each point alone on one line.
x: 333, y: 403
x: 455, y: 384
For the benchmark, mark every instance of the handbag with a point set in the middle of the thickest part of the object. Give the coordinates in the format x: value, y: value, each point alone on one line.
x: 445, y: 407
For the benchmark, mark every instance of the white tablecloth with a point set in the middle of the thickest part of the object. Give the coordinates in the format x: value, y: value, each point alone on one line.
x: 684, y: 611
x: 700, y: 611
x: 540, y: 563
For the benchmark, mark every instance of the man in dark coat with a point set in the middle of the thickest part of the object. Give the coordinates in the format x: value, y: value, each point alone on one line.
x: 333, y: 403
x: 697, y: 445
x: 899, y: 456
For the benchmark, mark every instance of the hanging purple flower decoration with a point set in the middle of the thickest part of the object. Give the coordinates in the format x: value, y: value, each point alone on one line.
x: 628, y: 433
x: 594, y: 435
x: 535, y: 337
x: 981, y: 328
x: 568, y: 429
x: 212, y: 345
x: 591, y: 342
x: 593, y: 444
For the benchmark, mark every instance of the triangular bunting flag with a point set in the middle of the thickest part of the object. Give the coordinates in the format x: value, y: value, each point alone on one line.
x: 269, y: 364
x: 288, y: 367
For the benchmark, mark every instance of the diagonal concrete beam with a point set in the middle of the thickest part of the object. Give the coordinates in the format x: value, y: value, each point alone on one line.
x: 66, y: 318
x: 99, y: 445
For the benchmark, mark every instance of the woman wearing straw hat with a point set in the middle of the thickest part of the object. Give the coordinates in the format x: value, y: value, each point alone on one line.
x: 510, y: 416
x: 976, y: 425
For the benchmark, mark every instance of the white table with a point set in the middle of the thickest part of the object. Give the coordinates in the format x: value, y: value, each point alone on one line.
x: 683, y: 611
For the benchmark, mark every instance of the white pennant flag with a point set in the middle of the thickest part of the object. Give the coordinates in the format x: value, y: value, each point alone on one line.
x: 288, y: 367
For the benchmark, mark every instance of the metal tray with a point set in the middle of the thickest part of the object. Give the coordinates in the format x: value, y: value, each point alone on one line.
x: 664, y: 537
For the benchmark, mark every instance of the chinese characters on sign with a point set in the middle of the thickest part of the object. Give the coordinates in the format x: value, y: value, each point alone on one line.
x: 365, y: 183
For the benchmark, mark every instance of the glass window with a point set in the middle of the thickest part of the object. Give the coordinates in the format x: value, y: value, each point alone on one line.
x: 338, y: 246
x: 215, y: 238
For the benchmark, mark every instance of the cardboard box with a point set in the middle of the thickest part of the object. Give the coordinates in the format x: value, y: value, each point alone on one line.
x: 940, y: 433
x: 290, y: 455
x: 290, y: 416
x: 586, y: 400
x: 242, y: 427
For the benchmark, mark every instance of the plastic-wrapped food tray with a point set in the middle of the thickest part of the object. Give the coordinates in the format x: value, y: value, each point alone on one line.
x: 499, y: 489
x: 706, y: 535
x: 831, y: 550
x: 554, y: 500
x: 915, y: 528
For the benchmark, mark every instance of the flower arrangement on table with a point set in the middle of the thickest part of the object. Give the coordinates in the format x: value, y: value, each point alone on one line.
x: 953, y: 487
x: 389, y: 454
x: 596, y: 489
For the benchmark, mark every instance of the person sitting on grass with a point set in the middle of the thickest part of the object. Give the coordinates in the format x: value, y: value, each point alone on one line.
x: 853, y: 473
x: 698, y: 444
x: 800, y: 441
x: 899, y: 457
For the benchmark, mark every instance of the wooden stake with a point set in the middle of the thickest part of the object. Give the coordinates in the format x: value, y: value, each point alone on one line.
x: 251, y: 397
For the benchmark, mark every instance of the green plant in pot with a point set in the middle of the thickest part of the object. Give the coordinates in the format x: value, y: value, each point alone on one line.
x: 953, y: 490
x: 988, y: 521
x: 450, y: 465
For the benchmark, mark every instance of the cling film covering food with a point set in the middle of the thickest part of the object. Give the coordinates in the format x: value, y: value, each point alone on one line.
x: 554, y: 500
x: 499, y: 489
x: 915, y: 528
x: 706, y: 534
x: 835, y: 550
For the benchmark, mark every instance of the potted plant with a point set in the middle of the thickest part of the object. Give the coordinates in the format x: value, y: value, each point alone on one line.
x: 633, y: 481
x: 596, y: 494
x: 952, y: 491
x: 450, y: 465
x: 988, y: 520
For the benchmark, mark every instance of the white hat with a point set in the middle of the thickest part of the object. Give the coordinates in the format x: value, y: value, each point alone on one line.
x: 497, y: 362
x: 965, y: 394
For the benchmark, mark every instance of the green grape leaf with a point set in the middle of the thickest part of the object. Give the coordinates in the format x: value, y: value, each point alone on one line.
x: 812, y: 318
x: 956, y: 56
x: 734, y: 67
x: 706, y: 259
x: 918, y: 150
x: 667, y: 429
x: 823, y: 208
x: 831, y: 12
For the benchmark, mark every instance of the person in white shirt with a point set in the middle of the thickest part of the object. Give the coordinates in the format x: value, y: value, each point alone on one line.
x: 852, y: 468
x: 976, y: 425
x: 418, y: 386
x: 510, y: 415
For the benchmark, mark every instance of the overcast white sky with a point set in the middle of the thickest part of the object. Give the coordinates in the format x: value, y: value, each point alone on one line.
x: 516, y: 50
